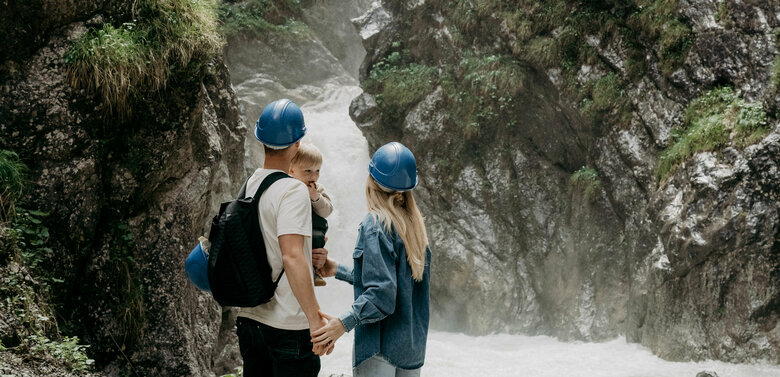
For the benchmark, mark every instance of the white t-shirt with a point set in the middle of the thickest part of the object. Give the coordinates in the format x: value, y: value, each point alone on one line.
x: 285, y: 208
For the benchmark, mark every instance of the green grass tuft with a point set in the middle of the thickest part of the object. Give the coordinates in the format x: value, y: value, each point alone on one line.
x: 12, y: 180
x: 775, y: 74
x: 587, y: 180
x: 118, y: 63
x: 712, y: 121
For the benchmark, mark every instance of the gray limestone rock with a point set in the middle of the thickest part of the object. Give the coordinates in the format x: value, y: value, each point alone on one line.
x: 687, y: 266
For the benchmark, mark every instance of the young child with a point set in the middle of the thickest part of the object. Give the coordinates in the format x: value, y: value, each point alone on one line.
x: 305, y: 167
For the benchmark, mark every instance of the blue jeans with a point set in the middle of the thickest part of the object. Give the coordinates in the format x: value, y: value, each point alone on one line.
x: 377, y: 366
x: 272, y: 352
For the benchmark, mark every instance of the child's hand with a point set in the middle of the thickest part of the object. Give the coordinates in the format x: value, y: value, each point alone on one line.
x: 313, y: 194
x: 329, y: 268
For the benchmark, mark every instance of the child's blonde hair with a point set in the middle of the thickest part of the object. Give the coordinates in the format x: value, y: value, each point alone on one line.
x: 307, y: 155
x: 398, y: 209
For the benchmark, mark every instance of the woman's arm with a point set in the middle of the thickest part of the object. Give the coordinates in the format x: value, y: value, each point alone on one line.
x: 376, y: 302
x: 378, y: 279
x: 332, y: 268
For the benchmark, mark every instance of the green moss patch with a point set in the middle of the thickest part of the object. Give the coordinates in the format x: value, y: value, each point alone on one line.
x: 714, y: 120
x: 398, y: 83
x: 604, y: 101
x: 120, y: 62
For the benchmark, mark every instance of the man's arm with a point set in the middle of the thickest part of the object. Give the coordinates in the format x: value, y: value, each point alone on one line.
x: 297, y: 269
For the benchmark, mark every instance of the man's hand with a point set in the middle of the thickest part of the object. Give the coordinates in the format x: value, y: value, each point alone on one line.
x: 319, y: 257
x: 316, y: 325
x: 326, y: 336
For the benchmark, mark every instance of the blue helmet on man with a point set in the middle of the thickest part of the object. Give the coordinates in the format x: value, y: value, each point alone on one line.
x: 393, y: 166
x: 280, y: 125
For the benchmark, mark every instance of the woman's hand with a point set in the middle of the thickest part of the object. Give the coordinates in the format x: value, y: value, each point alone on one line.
x: 327, y: 335
x: 329, y: 268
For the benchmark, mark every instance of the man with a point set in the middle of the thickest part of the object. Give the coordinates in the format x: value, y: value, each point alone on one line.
x: 274, y: 338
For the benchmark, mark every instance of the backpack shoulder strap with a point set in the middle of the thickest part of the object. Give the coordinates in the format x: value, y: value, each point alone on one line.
x: 267, y: 182
x: 242, y: 193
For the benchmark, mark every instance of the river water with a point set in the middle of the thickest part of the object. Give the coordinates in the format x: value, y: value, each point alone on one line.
x: 263, y: 72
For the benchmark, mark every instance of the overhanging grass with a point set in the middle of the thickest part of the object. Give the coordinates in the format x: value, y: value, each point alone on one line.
x: 12, y: 178
x: 712, y: 121
x: 117, y: 63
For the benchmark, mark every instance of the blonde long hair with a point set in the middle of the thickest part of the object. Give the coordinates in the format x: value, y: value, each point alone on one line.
x: 398, y: 209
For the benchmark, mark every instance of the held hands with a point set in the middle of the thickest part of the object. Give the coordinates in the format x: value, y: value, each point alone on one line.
x: 327, y: 335
x: 316, y: 325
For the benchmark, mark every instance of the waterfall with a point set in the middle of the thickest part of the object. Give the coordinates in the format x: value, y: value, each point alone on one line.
x: 307, y: 71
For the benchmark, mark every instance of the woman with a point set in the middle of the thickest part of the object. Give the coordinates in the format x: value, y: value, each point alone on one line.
x: 391, y: 274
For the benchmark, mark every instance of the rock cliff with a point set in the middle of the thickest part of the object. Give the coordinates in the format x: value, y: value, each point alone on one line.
x: 590, y: 169
x: 126, y: 196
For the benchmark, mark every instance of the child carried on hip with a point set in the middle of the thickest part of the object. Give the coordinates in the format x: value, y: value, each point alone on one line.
x: 305, y: 167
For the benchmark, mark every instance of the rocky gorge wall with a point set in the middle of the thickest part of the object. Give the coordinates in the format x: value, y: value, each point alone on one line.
x: 584, y: 173
x: 127, y: 194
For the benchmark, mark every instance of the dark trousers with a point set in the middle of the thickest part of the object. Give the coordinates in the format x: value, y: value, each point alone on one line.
x: 272, y: 352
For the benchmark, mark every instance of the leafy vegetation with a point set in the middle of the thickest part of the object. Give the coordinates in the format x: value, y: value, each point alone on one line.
x: 68, y: 351
x: 481, y: 90
x: 587, y: 180
x: 25, y: 283
x: 711, y: 122
x: 257, y: 18
x: 119, y: 63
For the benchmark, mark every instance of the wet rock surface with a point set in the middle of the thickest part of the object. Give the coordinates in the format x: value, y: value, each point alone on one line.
x: 688, y: 266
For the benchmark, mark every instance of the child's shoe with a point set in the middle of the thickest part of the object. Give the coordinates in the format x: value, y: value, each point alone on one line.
x: 319, y: 281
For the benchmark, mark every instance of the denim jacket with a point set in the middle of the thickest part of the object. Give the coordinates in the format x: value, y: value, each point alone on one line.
x: 391, y: 311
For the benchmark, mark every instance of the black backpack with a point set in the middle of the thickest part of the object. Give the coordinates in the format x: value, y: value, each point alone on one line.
x: 238, y: 269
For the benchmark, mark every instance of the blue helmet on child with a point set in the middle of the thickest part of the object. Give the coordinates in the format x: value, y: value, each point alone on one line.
x: 280, y: 125
x: 393, y: 166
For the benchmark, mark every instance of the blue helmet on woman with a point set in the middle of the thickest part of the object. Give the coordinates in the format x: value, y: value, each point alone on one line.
x: 280, y: 124
x: 393, y: 166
